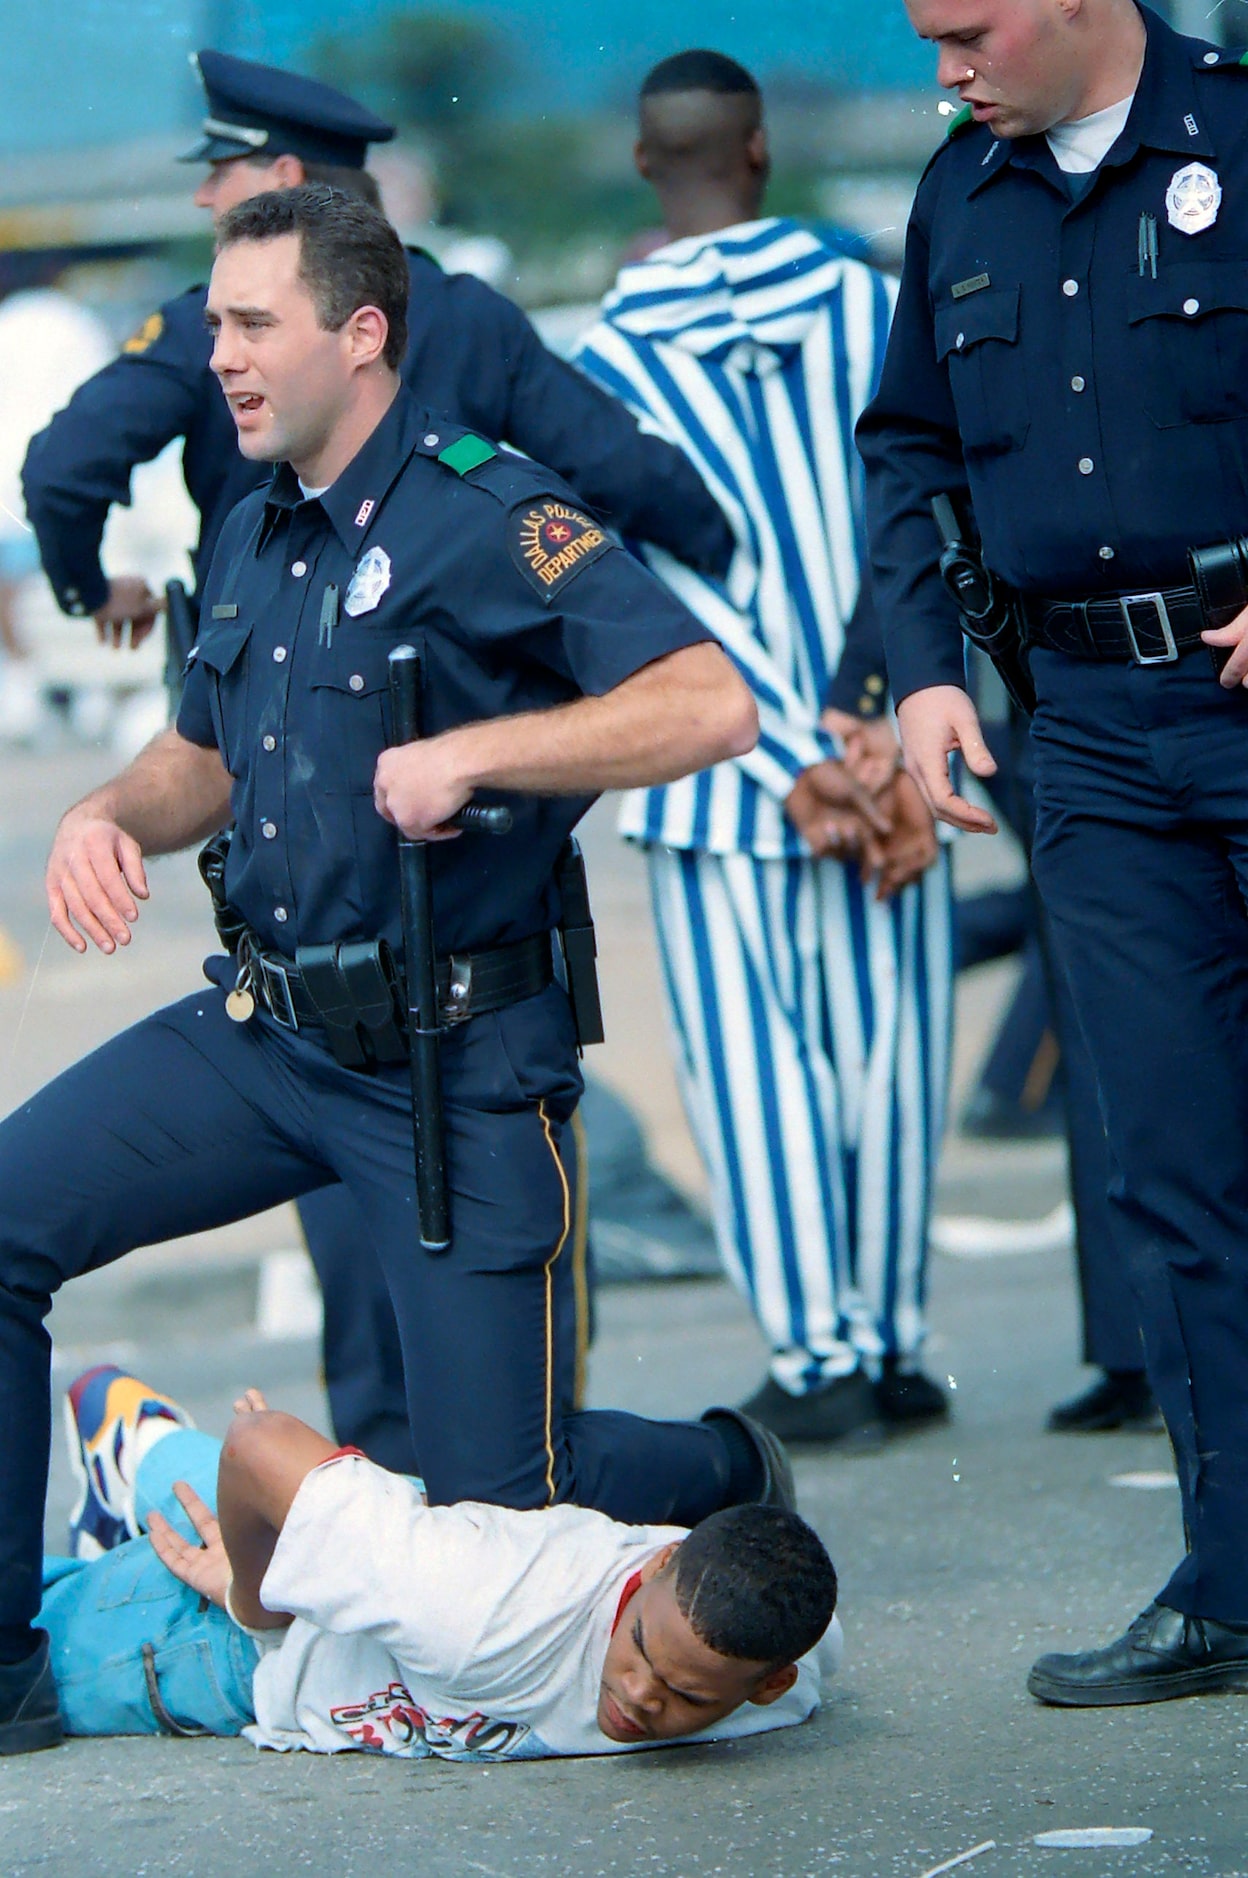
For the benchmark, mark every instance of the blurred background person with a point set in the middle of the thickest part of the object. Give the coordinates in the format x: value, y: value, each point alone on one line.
x: 48, y: 345
x: 810, y: 1003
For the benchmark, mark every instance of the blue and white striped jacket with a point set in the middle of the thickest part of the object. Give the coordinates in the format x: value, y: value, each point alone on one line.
x: 755, y: 349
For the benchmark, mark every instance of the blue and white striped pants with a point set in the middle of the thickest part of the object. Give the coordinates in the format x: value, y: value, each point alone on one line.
x: 812, y: 1033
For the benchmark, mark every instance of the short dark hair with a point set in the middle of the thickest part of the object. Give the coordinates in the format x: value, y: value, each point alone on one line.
x: 699, y: 70
x: 349, y: 255
x: 756, y: 1582
x: 354, y: 182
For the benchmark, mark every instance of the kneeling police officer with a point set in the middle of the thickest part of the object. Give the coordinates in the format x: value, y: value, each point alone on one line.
x: 556, y: 667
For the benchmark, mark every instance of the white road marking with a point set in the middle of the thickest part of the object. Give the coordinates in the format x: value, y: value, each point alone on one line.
x: 288, y: 1304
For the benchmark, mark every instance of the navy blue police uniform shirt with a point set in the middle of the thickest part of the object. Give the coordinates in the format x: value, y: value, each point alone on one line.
x: 1092, y: 399
x: 472, y: 356
x: 519, y: 602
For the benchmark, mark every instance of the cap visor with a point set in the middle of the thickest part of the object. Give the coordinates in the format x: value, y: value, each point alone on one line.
x: 215, y: 150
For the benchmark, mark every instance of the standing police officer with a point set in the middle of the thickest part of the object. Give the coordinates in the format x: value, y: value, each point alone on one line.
x: 471, y: 355
x: 1070, y: 351
x: 556, y: 667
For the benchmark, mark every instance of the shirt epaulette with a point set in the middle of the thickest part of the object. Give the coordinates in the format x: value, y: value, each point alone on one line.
x: 466, y: 453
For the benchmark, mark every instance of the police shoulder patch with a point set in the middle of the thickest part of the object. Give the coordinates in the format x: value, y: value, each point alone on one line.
x: 149, y: 332
x: 551, y: 542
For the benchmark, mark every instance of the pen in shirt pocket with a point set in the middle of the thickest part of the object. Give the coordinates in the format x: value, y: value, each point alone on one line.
x: 1148, y: 245
x: 329, y: 617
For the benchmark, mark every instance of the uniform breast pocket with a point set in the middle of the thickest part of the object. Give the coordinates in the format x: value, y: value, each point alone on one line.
x: 977, y: 341
x: 221, y: 646
x: 1191, y: 327
x: 350, y: 692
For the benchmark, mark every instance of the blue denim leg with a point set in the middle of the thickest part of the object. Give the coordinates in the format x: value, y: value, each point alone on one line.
x: 132, y: 1651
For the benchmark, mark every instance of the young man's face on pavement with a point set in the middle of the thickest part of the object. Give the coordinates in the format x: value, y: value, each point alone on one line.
x: 660, y: 1681
x: 286, y: 379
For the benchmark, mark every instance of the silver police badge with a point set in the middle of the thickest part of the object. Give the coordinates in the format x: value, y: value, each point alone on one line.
x: 1193, y: 199
x: 368, y: 583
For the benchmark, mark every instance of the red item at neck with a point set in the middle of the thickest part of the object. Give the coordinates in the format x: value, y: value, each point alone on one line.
x: 633, y: 1584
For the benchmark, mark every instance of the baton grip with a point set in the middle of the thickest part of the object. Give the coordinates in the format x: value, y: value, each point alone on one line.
x: 405, y: 690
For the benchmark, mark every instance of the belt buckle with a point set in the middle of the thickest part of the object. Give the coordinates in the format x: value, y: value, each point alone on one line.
x: 459, y: 991
x: 281, y: 1007
x: 1157, y: 601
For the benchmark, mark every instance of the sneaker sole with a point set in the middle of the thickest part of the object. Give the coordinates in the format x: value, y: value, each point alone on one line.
x: 77, y: 1467
x: 1126, y: 1694
x: 28, y: 1737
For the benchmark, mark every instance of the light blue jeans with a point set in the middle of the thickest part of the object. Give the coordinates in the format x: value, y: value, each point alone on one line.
x: 132, y: 1650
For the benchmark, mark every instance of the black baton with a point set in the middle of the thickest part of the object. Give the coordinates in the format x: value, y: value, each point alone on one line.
x: 181, y: 630
x: 422, y: 989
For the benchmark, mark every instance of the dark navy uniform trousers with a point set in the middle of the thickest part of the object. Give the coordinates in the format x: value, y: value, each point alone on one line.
x: 1111, y: 1331
x: 187, y: 1121
x: 1141, y: 852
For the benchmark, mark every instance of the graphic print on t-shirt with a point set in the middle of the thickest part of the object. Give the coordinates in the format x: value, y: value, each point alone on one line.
x: 390, y: 1722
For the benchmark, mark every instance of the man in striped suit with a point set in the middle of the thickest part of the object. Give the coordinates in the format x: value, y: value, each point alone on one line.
x: 810, y: 1004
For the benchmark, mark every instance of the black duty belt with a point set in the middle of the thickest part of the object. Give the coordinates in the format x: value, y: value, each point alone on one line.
x: 469, y: 984
x: 1146, y: 628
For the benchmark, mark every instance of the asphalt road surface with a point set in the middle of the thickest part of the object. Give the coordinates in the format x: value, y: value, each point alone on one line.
x: 963, y: 1551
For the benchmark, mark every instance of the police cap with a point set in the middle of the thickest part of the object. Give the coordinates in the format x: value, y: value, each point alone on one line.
x: 255, y: 110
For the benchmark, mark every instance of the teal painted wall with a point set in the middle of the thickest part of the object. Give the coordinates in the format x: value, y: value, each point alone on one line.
x: 78, y: 72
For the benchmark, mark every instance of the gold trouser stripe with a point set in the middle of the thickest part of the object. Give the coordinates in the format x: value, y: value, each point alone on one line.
x: 550, y: 1303
x: 580, y: 1258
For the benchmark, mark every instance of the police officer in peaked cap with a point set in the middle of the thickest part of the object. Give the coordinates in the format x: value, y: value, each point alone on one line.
x: 472, y: 355
x: 1069, y: 358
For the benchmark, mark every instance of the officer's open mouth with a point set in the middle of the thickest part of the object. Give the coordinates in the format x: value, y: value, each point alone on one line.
x: 250, y: 401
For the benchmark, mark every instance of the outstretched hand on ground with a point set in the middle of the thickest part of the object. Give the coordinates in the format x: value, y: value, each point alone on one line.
x: 204, y: 1567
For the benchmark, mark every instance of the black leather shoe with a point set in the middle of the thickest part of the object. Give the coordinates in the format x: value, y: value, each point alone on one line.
x: 30, y: 1714
x: 1164, y: 1654
x: 841, y: 1413
x: 778, y: 1488
x: 906, y: 1397
x: 1121, y: 1399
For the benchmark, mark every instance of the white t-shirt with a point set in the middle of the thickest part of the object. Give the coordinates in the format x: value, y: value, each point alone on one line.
x: 1079, y: 147
x: 463, y: 1630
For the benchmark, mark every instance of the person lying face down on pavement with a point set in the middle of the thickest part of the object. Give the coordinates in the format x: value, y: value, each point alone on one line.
x: 334, y: 1609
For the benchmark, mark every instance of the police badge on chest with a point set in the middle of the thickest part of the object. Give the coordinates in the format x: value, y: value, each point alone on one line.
x: 1193, y: 199
x: 368, y: 583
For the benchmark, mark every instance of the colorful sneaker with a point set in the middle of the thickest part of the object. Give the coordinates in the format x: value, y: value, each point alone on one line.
x: 111, y: 1421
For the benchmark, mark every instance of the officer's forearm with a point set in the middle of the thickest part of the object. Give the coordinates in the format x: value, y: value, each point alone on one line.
x: 172, y: 794
x: 681, y: 713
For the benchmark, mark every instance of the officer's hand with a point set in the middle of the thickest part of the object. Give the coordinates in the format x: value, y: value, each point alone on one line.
x: 416, y: 786
x: 872, y: 752
x: 204, y: 1567
x: 129, y: 613
x: 833, y: 812
x: 934, y: 723
x: 911, y: 847
x: 95, y: 875
x: 1235, y: 671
